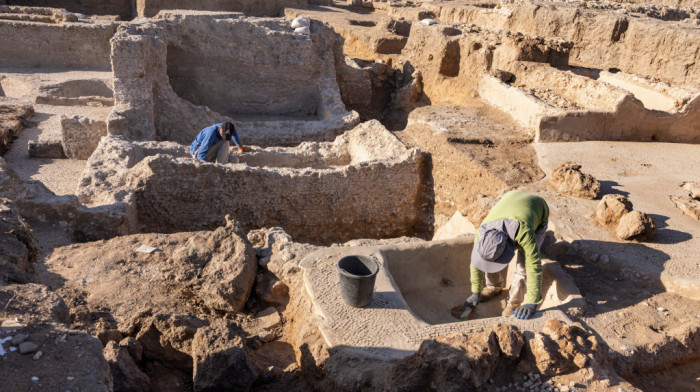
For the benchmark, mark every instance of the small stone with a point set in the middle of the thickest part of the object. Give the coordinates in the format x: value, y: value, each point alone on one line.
x: 572, y: 384
x: 266, y: 336
x: 19, y: 338
x: 604, y: 259
x: 70, y: 378
x: 594, y: 257
x: 27, y: 347
x: 35, y: 378
x: 660, y: 309
x: 37, y: 355
x: 12, y: 349
x: 268, y: 318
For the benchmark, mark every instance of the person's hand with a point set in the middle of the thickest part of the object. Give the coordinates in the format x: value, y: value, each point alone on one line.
x: 470, y: 306
x: 243, y: 148
x: 473, y: 300
x: 525, y: 311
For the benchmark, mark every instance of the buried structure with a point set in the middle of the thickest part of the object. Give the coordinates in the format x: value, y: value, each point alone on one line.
x: 127, y: 265
x: 364, y: 184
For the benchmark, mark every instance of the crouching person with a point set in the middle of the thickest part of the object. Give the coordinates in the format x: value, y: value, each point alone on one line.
x: 517, y: 223
x: 212, y: 144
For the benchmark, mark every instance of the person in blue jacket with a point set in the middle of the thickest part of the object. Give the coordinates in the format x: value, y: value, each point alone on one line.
x: 212, y: 143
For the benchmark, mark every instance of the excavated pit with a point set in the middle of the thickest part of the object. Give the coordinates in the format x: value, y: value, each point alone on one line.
x: 277, y: 87
x: 417, y: 285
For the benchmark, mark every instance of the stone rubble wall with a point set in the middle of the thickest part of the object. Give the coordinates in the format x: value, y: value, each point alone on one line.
x: 566, y: 106
x: 602, y: 39
x: 240, y: 54
x: 58, y: 44
x: 458, y: 55
x: 376, y: 195
x: 123, y: 8
x: 150, y: 8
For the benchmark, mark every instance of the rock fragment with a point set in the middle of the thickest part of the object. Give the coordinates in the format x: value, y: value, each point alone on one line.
x: 221, y: 361
x: 611, y: 208
x: 637, y: 226
x: 27, y: 347
x: 19, y: 338
x: 693, y: 188
x: 569, y: 180
x: 126, y: 375
x: 510, y: 340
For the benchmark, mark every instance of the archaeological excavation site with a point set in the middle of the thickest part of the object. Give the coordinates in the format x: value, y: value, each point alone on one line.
x: 350, y: 195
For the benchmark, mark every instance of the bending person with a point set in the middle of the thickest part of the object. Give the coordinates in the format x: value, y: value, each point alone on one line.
x: 212, y: 143
x: 517, y: 222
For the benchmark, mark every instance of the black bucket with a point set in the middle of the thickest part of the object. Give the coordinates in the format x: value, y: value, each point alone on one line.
x: 357, y: 274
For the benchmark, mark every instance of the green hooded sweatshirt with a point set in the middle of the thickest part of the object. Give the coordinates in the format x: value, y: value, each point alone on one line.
x: 532, y: 214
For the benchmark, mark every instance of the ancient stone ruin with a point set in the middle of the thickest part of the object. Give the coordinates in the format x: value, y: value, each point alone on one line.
x: 380, y: 130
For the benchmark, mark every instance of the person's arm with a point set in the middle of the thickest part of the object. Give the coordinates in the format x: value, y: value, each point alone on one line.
x: 527, y: 241
x: 236, y: 139
x: 477, y: 279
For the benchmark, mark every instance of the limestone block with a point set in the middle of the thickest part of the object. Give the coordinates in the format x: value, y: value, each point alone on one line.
x: 569, y: 180
x: 611, y: 208
x: 637, y: 226
x: 221, y: 360
x: 81, y: 136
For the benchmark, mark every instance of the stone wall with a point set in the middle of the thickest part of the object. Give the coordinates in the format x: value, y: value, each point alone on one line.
x: 276, y: 86
x: 565, y: 106
x: 602, y: 38
x: 56, y: 42
x: 365, y: 184
x: 123, y: 8
x: 150, y: 8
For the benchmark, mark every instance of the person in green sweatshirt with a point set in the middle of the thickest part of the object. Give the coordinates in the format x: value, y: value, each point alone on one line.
x: 517, y: 223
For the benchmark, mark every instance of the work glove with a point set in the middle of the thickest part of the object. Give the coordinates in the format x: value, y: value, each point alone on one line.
x: 243, y: 148
x: 525, y: 311
x: 473, y: 300
x: 470, y: 306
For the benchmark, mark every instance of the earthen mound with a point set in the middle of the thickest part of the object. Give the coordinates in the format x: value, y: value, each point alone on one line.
x: 185, y: 272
